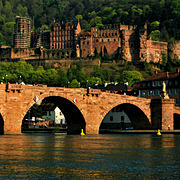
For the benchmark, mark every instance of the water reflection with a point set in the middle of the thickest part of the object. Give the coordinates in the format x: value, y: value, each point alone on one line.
x: 58, y: 156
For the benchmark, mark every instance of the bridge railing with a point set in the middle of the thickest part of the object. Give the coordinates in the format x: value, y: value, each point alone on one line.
x: 13, y: 87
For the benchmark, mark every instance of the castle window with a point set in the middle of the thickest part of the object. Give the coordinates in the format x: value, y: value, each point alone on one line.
x: 102, y: 40
x: 108, y: 40
x: 96, y: 40
x: 114, y: 40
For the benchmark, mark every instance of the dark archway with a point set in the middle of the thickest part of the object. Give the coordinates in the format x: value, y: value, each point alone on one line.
x: 1, y: 125
x: 138, y: 119
x: 74, y: 119
x: 176, y: 121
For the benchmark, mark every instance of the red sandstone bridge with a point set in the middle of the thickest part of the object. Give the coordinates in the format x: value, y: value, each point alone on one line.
x: 87, y: 112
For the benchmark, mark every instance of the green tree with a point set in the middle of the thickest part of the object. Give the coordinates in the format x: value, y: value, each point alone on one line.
x: 94, y: 81
x: 164, y: 58
x: 74, y: 84
x: 75, y: 72
x: 62, y: 79
x: 154, y: 25
x: 131, y: 77
x: 79, y: 17
x: 155, y: 35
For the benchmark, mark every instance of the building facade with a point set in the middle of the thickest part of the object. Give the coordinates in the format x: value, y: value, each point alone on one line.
x: 152, y: 86
x: 116, y: 119
x: 55, y: 115
x: 67, y: 41
x: 22, y: 33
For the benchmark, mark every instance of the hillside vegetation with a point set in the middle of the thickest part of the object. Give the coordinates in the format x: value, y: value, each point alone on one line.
x: 162, y: 17
x: 93, y: 13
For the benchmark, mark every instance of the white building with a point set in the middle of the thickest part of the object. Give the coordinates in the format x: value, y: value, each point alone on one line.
x: 55, y: 115
x: 116, y: 119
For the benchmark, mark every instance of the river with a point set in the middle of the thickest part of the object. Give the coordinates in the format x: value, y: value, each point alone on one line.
x: 60, y: 156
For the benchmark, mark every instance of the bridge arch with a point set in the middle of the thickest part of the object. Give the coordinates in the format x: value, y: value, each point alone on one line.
x: 1, y: 125
x: 74, y: 118
x: 176, y: 121
x: 139, y: 118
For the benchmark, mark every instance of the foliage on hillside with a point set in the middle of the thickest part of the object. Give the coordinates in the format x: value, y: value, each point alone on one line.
x: 21, y: 72
x: 163, y: 16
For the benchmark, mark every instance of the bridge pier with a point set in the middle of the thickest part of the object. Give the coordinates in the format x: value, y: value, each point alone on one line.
x: 12, y: 123
x: 162, y: 114
x: 92, y: 129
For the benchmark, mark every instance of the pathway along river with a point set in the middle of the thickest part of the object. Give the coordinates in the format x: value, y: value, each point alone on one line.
x: 61, y: 156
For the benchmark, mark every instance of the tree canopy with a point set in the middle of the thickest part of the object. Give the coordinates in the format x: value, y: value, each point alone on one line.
x: 163, y: 16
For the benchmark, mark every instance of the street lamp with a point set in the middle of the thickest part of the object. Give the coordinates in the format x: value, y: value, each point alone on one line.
x: 20, y: 78
x: 6, y: 78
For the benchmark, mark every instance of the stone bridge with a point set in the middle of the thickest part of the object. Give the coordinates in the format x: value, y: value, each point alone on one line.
x: 82, y: 108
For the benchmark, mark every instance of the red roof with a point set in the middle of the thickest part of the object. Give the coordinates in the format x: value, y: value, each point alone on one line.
x: 164, y: 75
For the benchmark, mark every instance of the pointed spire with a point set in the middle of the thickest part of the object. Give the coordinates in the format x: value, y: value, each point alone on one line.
x: 78, y: 27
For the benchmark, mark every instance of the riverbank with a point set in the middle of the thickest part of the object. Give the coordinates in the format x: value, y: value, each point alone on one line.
x: 101, y: 131
x: 117, y: 131
x: 44, y: 130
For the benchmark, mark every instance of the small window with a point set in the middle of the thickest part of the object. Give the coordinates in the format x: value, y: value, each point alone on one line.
x: 122, y: 118
x: 111, y: 118
x: 176, y: 82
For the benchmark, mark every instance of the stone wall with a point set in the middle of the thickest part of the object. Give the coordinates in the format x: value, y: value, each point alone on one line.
x: 21, y: 53
x: 155, y: 49
x: 175, y: 50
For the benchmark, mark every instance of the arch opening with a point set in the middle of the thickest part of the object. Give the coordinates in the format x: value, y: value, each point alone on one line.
x: 57, y: 112
x: 176, y: 121
x: 125, y: 116
x: 1, y: 125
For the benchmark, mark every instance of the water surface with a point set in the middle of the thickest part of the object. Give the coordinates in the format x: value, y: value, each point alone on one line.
x: 61, y: 156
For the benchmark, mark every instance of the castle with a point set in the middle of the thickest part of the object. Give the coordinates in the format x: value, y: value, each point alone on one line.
x: 67, y: 41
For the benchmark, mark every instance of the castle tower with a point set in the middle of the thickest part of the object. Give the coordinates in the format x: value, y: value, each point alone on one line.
x: 143, y: 43
x: 22, y: 33
x: 78, y: 28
